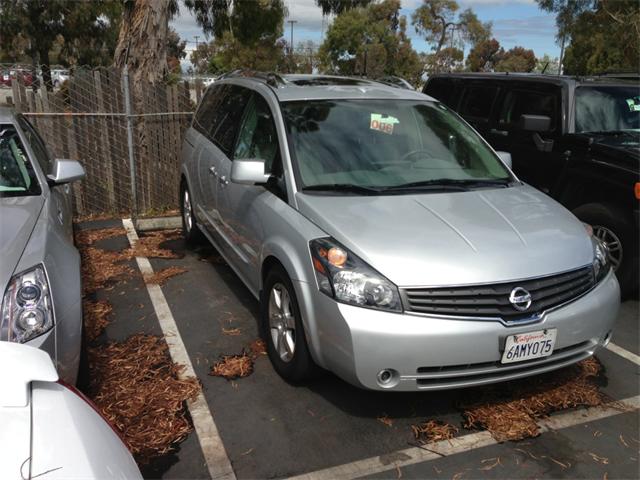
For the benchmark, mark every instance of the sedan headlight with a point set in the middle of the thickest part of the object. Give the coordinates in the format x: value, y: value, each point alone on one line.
x: 348, y: 279
x: 27, y: 311
x: 601, y: 264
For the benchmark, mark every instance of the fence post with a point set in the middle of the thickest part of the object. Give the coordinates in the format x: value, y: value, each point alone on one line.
x: 132, y: 165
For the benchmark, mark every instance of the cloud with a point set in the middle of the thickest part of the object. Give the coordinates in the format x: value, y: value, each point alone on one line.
x: 511, y: 29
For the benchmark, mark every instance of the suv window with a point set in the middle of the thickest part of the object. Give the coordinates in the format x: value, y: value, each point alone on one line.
x: 441, y: 89
x: 258, y: 137
x: 17, y: 175
x: 206, y: 113
x: 527, y: 102
x: 227, y: 117
x: 37, y: 145
x: 477, y: 101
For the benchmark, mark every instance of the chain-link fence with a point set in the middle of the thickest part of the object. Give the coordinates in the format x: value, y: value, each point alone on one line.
x: 128, y: 137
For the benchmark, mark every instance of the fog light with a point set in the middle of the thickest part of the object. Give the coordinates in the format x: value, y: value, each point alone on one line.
x: 388, y: 378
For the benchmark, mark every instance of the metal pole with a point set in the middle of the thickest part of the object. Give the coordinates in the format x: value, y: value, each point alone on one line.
x: 132, y: 165
x: 291, y: 22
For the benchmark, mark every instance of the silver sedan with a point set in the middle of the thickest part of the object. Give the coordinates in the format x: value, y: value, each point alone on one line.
x: 39, y: 264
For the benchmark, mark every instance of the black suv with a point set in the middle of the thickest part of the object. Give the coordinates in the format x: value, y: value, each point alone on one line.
x: 577, y: 139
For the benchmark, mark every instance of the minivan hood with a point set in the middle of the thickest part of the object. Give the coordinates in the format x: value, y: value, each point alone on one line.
x: 18, y: 217
x: 458, y: 238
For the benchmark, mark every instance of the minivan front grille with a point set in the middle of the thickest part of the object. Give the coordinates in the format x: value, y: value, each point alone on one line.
x: 492, y: 300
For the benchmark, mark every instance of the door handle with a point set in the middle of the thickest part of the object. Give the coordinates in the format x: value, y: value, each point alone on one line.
x: 223, y: 180
x: 502, y: 133
x: 212, y: 171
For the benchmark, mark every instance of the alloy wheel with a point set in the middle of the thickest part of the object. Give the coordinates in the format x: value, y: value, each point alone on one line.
x: 282, y: 324
x: 612, y: 242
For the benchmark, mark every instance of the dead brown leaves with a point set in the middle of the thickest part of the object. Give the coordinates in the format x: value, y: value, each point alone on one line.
x: 433, y: 431
x: 239, y: 366
x: 100, y: 267
x: 510, y: 411
x: 137, y: 388
x: 149, y: 245
x: 160, y: 277
x: 95, y: 317
x: 85, y: 238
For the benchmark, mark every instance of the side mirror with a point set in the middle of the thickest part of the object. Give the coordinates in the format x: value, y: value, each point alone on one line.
x: 65, y: 171
x: 506, y: 158
x: 248, y: 171
x: 534, y: 123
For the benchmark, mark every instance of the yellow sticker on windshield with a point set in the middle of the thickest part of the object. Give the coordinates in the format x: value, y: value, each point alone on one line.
x: 383, y: 123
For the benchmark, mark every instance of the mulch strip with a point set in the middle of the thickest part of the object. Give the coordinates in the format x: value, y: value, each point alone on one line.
x: 95, y: 317
x: 510, y: 410
x: 433, y: 431
x: 161, y: 276
x: 149, y: 245
x: 101, y: 267
x: 88, y: 237
x: 137, y: 388
x: 239, y: 366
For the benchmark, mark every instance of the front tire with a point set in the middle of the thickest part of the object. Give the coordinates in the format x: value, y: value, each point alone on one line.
x: 190, y: 230
x: 616, y: 230
x: 282, y: 328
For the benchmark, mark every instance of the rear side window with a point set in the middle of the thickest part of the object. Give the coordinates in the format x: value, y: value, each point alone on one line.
x: 228, y: 116
x: 527, y: 102
x: 206, y: 115
x: 477, y: 102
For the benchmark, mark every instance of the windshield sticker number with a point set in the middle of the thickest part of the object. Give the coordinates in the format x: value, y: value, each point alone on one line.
x: 383, y: 123
x: 634, y: 104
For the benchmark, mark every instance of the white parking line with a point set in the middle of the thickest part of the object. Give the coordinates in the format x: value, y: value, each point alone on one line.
x: 632, y: 357
x: 211, y: 444
x: 465, y: 443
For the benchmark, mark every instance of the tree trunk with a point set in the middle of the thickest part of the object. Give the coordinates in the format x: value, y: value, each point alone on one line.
x: 45, y: 65
x: 142, y: 42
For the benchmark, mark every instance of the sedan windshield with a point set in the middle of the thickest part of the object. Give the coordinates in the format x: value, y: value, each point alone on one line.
x: 371, y: 146
x: 602, y: 109
x: 17, y: 176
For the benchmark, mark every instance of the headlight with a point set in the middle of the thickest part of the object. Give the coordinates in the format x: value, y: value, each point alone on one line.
x: 27, y: 310
x: 601, y: 263
x: 346, y: 278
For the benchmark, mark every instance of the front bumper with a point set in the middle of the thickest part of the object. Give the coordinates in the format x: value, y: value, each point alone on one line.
x: 432, y: 353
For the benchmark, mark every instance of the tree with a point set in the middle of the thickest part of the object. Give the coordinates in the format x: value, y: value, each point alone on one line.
x: 605, y: 40
x: 82, y: 26
x: 546, y: 64
x: 371, y: 41
x: 518, y: 59
x: 439, y: 22
x: 567, y: 12
x: 336, y: 7
x: 201, y: 58
x: 484, y: 55
x: 175, y: 51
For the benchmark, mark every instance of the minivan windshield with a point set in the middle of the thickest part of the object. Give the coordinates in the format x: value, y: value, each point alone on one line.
x: 601, y: 109
x: 17, y: 175
x: 370, y: 146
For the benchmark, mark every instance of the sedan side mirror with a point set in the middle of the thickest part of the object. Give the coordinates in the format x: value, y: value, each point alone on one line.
x: 534, y: 123
x: 248, y: 171
x: 506, y: 158
x: 65, y: 171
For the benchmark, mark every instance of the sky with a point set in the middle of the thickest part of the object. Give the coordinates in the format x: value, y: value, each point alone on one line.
x: 515, y: 22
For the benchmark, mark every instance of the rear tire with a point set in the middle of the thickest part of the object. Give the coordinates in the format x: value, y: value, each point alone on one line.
x: 615, y: 228
x: 190, y: 230
x: 282, y: 327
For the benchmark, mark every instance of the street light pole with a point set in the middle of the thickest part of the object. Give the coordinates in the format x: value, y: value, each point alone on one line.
x: 291, y: 22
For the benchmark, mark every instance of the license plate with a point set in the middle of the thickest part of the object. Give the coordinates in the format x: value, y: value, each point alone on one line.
x: 529, y: 345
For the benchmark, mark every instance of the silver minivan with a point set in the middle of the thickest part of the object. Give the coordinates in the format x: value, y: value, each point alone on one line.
x: 385, y: 239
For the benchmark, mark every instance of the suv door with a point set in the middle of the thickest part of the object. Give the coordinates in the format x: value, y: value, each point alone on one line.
x: 536, y: 156
x: 220, y: 124
x: 237, y: 204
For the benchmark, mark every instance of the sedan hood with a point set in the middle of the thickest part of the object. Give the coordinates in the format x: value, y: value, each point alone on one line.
x: 433, y: 239
x: 18, y: 217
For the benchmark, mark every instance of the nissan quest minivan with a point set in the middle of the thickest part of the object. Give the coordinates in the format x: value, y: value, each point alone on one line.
x: 385, y: 239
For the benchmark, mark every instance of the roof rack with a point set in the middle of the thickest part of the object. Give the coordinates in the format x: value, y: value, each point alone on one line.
x: 270, y: 78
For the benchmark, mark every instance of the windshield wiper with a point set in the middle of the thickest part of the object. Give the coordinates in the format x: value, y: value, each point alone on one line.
x: 451, y: 184
x: 342, y: 187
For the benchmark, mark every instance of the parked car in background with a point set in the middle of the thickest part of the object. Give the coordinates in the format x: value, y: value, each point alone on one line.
x: 386, y: 240
x: 51, y: 430
x: 58, y: 77
x: 39, y: 264
x: 577, y: 139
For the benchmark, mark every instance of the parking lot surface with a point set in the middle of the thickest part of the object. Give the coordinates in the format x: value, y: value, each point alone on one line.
x: 271, y: 429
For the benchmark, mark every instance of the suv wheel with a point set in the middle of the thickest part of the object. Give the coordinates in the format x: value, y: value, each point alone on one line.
x: 190, y: 230
x: 615, y: 229
x: 282, y: 326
